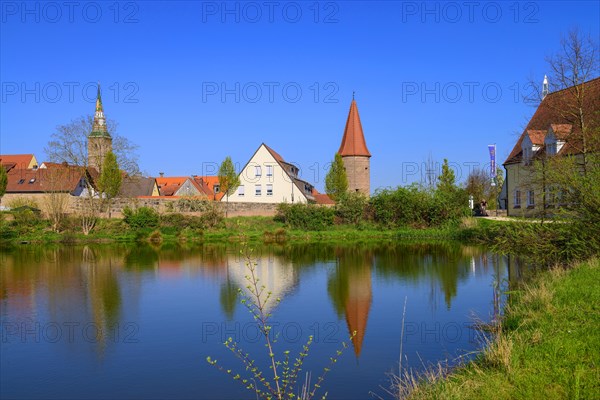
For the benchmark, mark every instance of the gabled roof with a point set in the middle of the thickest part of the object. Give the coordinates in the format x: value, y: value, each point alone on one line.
x: 553, y: 111
x: 353, y: 141
x: 299, y: 183
x: 56, y: 179
x: 135, y: 186
x: 168, y: 185
x: 322, y: 198
x: 210, y: 182
x: 561, y: 131
x: 20, y: 160
x: 8, y: 166
x: 536, y: 136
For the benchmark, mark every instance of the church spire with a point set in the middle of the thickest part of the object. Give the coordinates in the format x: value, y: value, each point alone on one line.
x: 545, y: 87
x: 99, y: 125
x: 353, y: 142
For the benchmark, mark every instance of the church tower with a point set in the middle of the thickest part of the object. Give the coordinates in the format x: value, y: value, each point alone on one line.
x: 99, y: 140
x: 355, y: 154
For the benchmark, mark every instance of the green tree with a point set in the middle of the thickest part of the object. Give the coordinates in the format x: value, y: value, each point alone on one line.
x: 228, y: 179
x: 109, y: 182
x: 447, y: 179
x: 336, y: 181
x: 3, y: 181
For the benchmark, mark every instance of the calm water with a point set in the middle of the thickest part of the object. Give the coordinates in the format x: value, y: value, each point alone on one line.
x: 136, y: 321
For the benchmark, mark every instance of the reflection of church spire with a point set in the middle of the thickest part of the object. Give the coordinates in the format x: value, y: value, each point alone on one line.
x: 358, y: 305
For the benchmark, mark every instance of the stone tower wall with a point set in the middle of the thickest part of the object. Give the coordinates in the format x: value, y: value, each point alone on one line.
x: 97, y: 149
x: 358, y: 170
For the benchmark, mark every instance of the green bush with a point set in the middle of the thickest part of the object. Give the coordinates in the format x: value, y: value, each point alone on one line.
x: 309, y: 217
x: 415, y: 206
x: 181, y: 221
x: 351, y: 208
x: 142, y: 217
x: 212, y: 216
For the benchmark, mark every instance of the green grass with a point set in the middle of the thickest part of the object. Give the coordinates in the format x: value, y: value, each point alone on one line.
x: 235, y: 229
x: 548, y: 347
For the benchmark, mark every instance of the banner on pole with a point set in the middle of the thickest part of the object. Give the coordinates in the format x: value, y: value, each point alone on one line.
x: 492, y: 149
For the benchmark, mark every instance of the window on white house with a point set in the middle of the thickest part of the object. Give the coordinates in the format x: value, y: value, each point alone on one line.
x: 258, y: 190
x: 269, y: 190
x: 269, y: 170
x: 530, y: 198
x: 257, y: 170
x: 241, y: 190
x: 517, y: 198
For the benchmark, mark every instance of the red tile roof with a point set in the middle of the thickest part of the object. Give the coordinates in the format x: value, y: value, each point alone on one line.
x: 553, y: 111
x: 210, y: 182
x: 536, y: 136
x: 322, y: 198
x: 353, y: 142
x: 20, y: 160
x: 562, y: 131
x: 54, y: 179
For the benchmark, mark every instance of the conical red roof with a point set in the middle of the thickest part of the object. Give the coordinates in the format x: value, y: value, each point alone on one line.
x: 353, y: 142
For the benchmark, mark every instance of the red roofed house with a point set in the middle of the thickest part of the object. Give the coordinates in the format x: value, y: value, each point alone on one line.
x: 213, y: 184
x: 183, y: 186
x: 355, y: 154
x: 49, y: 177
x: 22, y: 161
x: 553, y: 130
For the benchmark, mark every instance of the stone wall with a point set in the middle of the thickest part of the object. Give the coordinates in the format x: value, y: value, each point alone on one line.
x: 161, y: 205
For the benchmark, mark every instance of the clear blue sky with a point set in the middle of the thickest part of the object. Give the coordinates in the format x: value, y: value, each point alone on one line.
x: 440, y: 79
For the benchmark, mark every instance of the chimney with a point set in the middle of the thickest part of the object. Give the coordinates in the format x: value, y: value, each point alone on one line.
x: 161, y: 174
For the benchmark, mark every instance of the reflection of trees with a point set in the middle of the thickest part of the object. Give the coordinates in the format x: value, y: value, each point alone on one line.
x: 141, y: 257
x: 82, y: 283
x: 228, y: 298
x: 444, y: 263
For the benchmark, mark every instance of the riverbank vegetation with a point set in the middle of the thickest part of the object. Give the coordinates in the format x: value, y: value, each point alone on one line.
x: 546, y: 346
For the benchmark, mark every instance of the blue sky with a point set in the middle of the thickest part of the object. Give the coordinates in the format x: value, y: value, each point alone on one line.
x: 192, y: 82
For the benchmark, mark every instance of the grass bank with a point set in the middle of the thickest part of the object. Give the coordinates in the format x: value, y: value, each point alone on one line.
x: 546, y: 348
x: 235, y: 229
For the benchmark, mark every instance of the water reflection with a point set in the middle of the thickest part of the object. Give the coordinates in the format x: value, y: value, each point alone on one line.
x: 107, y: 287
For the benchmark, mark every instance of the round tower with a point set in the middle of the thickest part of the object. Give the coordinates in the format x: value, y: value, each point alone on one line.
x: 355, y: 154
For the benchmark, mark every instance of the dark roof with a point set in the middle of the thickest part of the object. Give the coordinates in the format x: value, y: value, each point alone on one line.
x: 135, y: 186
x: 297, y: 181
x: 555, y: 111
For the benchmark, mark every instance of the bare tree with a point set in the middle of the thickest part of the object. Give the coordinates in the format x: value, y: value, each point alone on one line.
x: 577, y: 62
x: 55, y: 200
x: 69, y: 144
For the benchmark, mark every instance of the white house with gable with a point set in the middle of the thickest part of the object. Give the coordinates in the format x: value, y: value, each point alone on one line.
x: 268, y: 178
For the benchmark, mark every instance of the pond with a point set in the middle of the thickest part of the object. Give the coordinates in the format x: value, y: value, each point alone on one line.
x: 137, y: 321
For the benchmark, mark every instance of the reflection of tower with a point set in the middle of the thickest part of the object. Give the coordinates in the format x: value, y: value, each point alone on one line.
x: 355, y: 154
x: 99, y: 140
x: 358, y: 305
